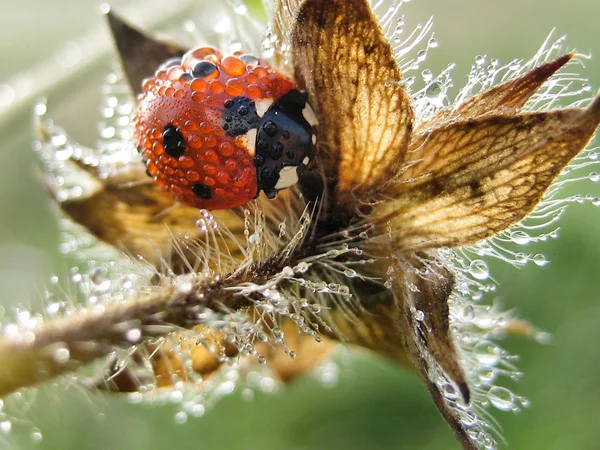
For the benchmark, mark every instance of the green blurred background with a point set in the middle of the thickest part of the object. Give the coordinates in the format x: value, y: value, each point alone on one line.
x: 374, y: 405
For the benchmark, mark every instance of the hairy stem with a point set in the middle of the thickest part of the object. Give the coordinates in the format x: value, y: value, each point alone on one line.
x: 69, y: 343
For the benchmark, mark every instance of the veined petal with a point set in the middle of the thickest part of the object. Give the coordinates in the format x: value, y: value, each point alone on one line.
x: 480, y: 176
x: 343, y: 60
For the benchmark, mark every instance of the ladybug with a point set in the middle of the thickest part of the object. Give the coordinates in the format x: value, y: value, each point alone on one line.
x: 214, y: 131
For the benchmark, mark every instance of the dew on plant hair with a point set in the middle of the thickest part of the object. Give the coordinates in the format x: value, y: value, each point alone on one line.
x: 501, y: 398
x: 520, y: 237
x: 479, y: 269
x: 181, y: 417
x: 100, y: 279
x: 5, y: 426
x: 539, y: 260
x: 35, y: 435
x: 61, y: 354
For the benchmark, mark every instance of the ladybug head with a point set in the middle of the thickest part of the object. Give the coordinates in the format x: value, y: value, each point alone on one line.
x: 285, y: 142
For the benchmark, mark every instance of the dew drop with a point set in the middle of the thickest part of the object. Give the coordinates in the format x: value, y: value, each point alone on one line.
x: 100, y: 279
x: 198, y: 410
x: 277, y: 333
x: 61, y: 355
x: 480, y: 60
x: 35, y: 435
x: 432, y: 43
x: 479, y: 269
x: 595, y: 177
x: 468, y: 312
x: 5, y: 426
x: 540, y: 260
x: 127, y: 282
x: 181, y: 417
x: 350, y: 273
x: 501, y: 398
x: 520, y: 237
x: 133, y: 335
x: 487, y: 353
x: 262, y: 336
x: 302, y: 267
x: 435, y: 94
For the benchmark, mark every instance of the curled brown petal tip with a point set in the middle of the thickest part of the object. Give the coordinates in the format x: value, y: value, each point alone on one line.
x: 480, y: 176
x: 140, y: 54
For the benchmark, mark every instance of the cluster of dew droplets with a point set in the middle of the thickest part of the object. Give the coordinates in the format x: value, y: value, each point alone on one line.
x: 13, y: 411
x: 517, y: 245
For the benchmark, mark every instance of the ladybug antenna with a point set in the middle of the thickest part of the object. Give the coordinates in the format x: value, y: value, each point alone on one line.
x: 140, y: 54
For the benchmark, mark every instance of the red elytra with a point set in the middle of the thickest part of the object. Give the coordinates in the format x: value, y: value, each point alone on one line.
x: 190, y: 129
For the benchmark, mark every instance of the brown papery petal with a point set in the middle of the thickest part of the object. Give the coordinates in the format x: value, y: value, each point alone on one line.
x: 480, y: 176
x: 505, y: 98
x: 343, y: 60
x: 141, y: 220
x: 140, y: 54
x: 423, y: 317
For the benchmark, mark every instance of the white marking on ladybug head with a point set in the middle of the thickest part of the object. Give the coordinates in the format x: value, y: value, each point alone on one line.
x: 249, y: 141
x: 288, y: 176
x: 306, y: 160
x: 310, y: 116
x: 262, y: 106
x: 314, y: 139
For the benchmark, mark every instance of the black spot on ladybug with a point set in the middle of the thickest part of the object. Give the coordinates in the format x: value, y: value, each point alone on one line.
x: 203, y: 69
x: 285, y: 134
x: 262, y: 145
x: 290, y: 153
x: 202, y: 191
x: 228, y: 103
x: 277, y: 150
x: 259, y: 160
x: 241, y: 116
x: 269, y: 176
x: 173, y: 141
x: 270, y: 128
